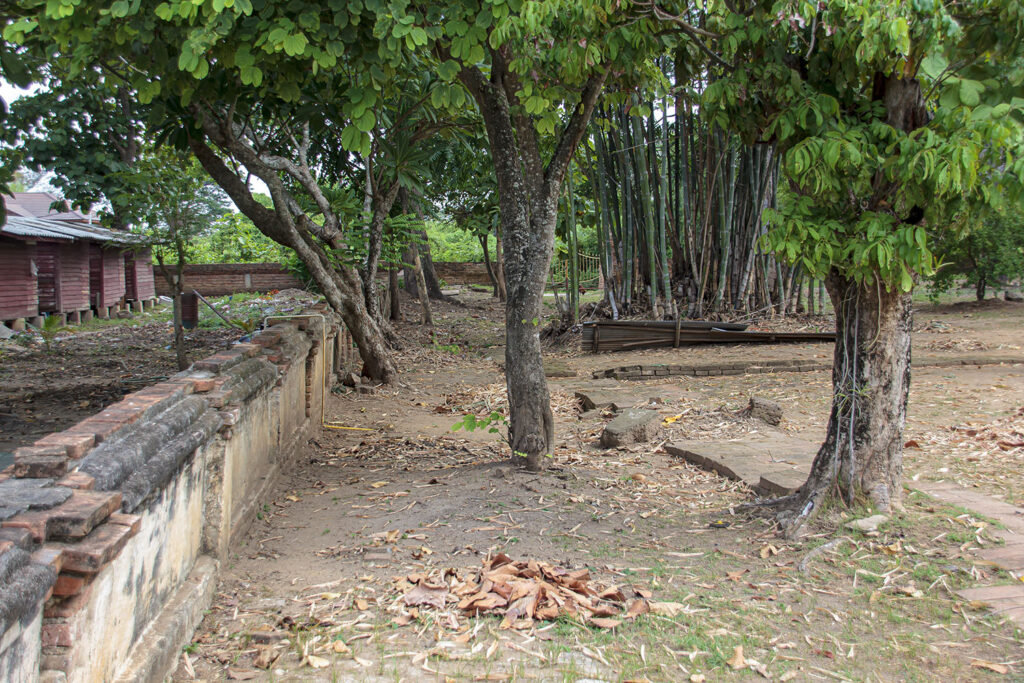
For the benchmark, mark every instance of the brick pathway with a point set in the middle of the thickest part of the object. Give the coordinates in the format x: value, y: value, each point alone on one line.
x: 1005, y: 600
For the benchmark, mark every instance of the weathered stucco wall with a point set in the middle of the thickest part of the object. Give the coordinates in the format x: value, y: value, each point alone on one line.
x: 112, y: 530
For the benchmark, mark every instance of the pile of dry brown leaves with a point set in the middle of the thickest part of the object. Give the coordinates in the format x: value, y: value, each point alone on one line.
x: 524, y: 592
x: 482, y: 401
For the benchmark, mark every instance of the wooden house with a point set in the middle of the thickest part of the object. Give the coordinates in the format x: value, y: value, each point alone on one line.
x: 70, y: 269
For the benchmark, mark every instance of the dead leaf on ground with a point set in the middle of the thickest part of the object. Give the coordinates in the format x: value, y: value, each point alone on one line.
x: 266, y: 656
x: 738, y: 661
x: 317, y: 662
x: 242, y: 675
x: 522, y: 592
x: 423, y: 594
x: 991, y: 666
x: 666, y: 609
x: 637, y: 607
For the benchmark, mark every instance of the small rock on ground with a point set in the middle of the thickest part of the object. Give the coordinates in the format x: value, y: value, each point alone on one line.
x: 631, y: 426
x: 867, y: 523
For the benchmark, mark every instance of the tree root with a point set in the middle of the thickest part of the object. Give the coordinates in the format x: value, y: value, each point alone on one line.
x: 763, y: 503
x: 802, y: 567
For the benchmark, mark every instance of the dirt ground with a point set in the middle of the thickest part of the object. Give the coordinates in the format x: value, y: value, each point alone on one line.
x: 90, y: 366
x: 316, y: 590
x: 45, y: 391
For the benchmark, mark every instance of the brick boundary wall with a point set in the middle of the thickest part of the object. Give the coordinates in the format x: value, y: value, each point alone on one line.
x: 657, y: 371
x: 453, y: 273
x: 111, y: 531
x: 218, y: 279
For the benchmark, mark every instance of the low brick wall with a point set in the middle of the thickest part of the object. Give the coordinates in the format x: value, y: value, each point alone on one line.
x: 218, y: 279
x: 452, y: 273
x: 111, y: 531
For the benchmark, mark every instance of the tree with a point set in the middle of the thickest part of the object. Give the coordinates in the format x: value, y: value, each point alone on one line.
x: 991, y: 253
x: 201, y: 69
x: 232, y: 238
x: 171, y: 201
x: 895, y: 119
x: 14, y: 70
x: 535, y: 71
x: 83, y: 129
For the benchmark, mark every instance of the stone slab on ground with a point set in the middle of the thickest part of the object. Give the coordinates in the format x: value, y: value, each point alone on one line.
x: 632, y: 426
x: 1010, y: 516
x: 1004, y: 600
x: 558, y: 369
x: 777, y: 465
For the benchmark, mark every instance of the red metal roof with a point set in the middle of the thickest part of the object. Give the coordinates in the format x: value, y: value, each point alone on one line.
x: 37, y: 205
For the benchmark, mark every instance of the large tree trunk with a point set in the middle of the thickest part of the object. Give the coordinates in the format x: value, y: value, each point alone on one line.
x: 528, y: 248
x: 528, y: 205
x: 862, y: 455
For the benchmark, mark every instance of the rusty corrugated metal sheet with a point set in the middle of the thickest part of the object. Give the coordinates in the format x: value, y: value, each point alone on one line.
x: 624, y: 335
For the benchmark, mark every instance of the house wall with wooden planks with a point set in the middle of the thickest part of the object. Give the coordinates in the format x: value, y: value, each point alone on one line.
x: 47, y: 276
x: 18, y: 296
x: 74, y: 277
x: 113, y: 276
x: 145, y: 287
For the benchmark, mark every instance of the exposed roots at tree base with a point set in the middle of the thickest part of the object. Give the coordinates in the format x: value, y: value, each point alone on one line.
x: 792, y: 512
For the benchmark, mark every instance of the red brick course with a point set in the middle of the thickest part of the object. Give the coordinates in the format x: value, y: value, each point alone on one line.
x: 76, y: 444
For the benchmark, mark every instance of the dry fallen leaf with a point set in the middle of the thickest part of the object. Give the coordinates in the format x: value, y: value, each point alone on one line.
x: 378, y: 484
x: 241, y: 675
x: 361, y: 604
x: 637, y: 607
x: 738, y: 661
x: 340, y: 647
x: 697, y: 678
x: 666, y: 609
x: 789, y: 675
x: 318, y: 662
x: 266, y: 656
x: 991, y: 666
x: 602, y: 622
x: 422, y: 594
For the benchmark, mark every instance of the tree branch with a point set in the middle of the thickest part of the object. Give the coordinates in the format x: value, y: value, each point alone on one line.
x: 574, y: 130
